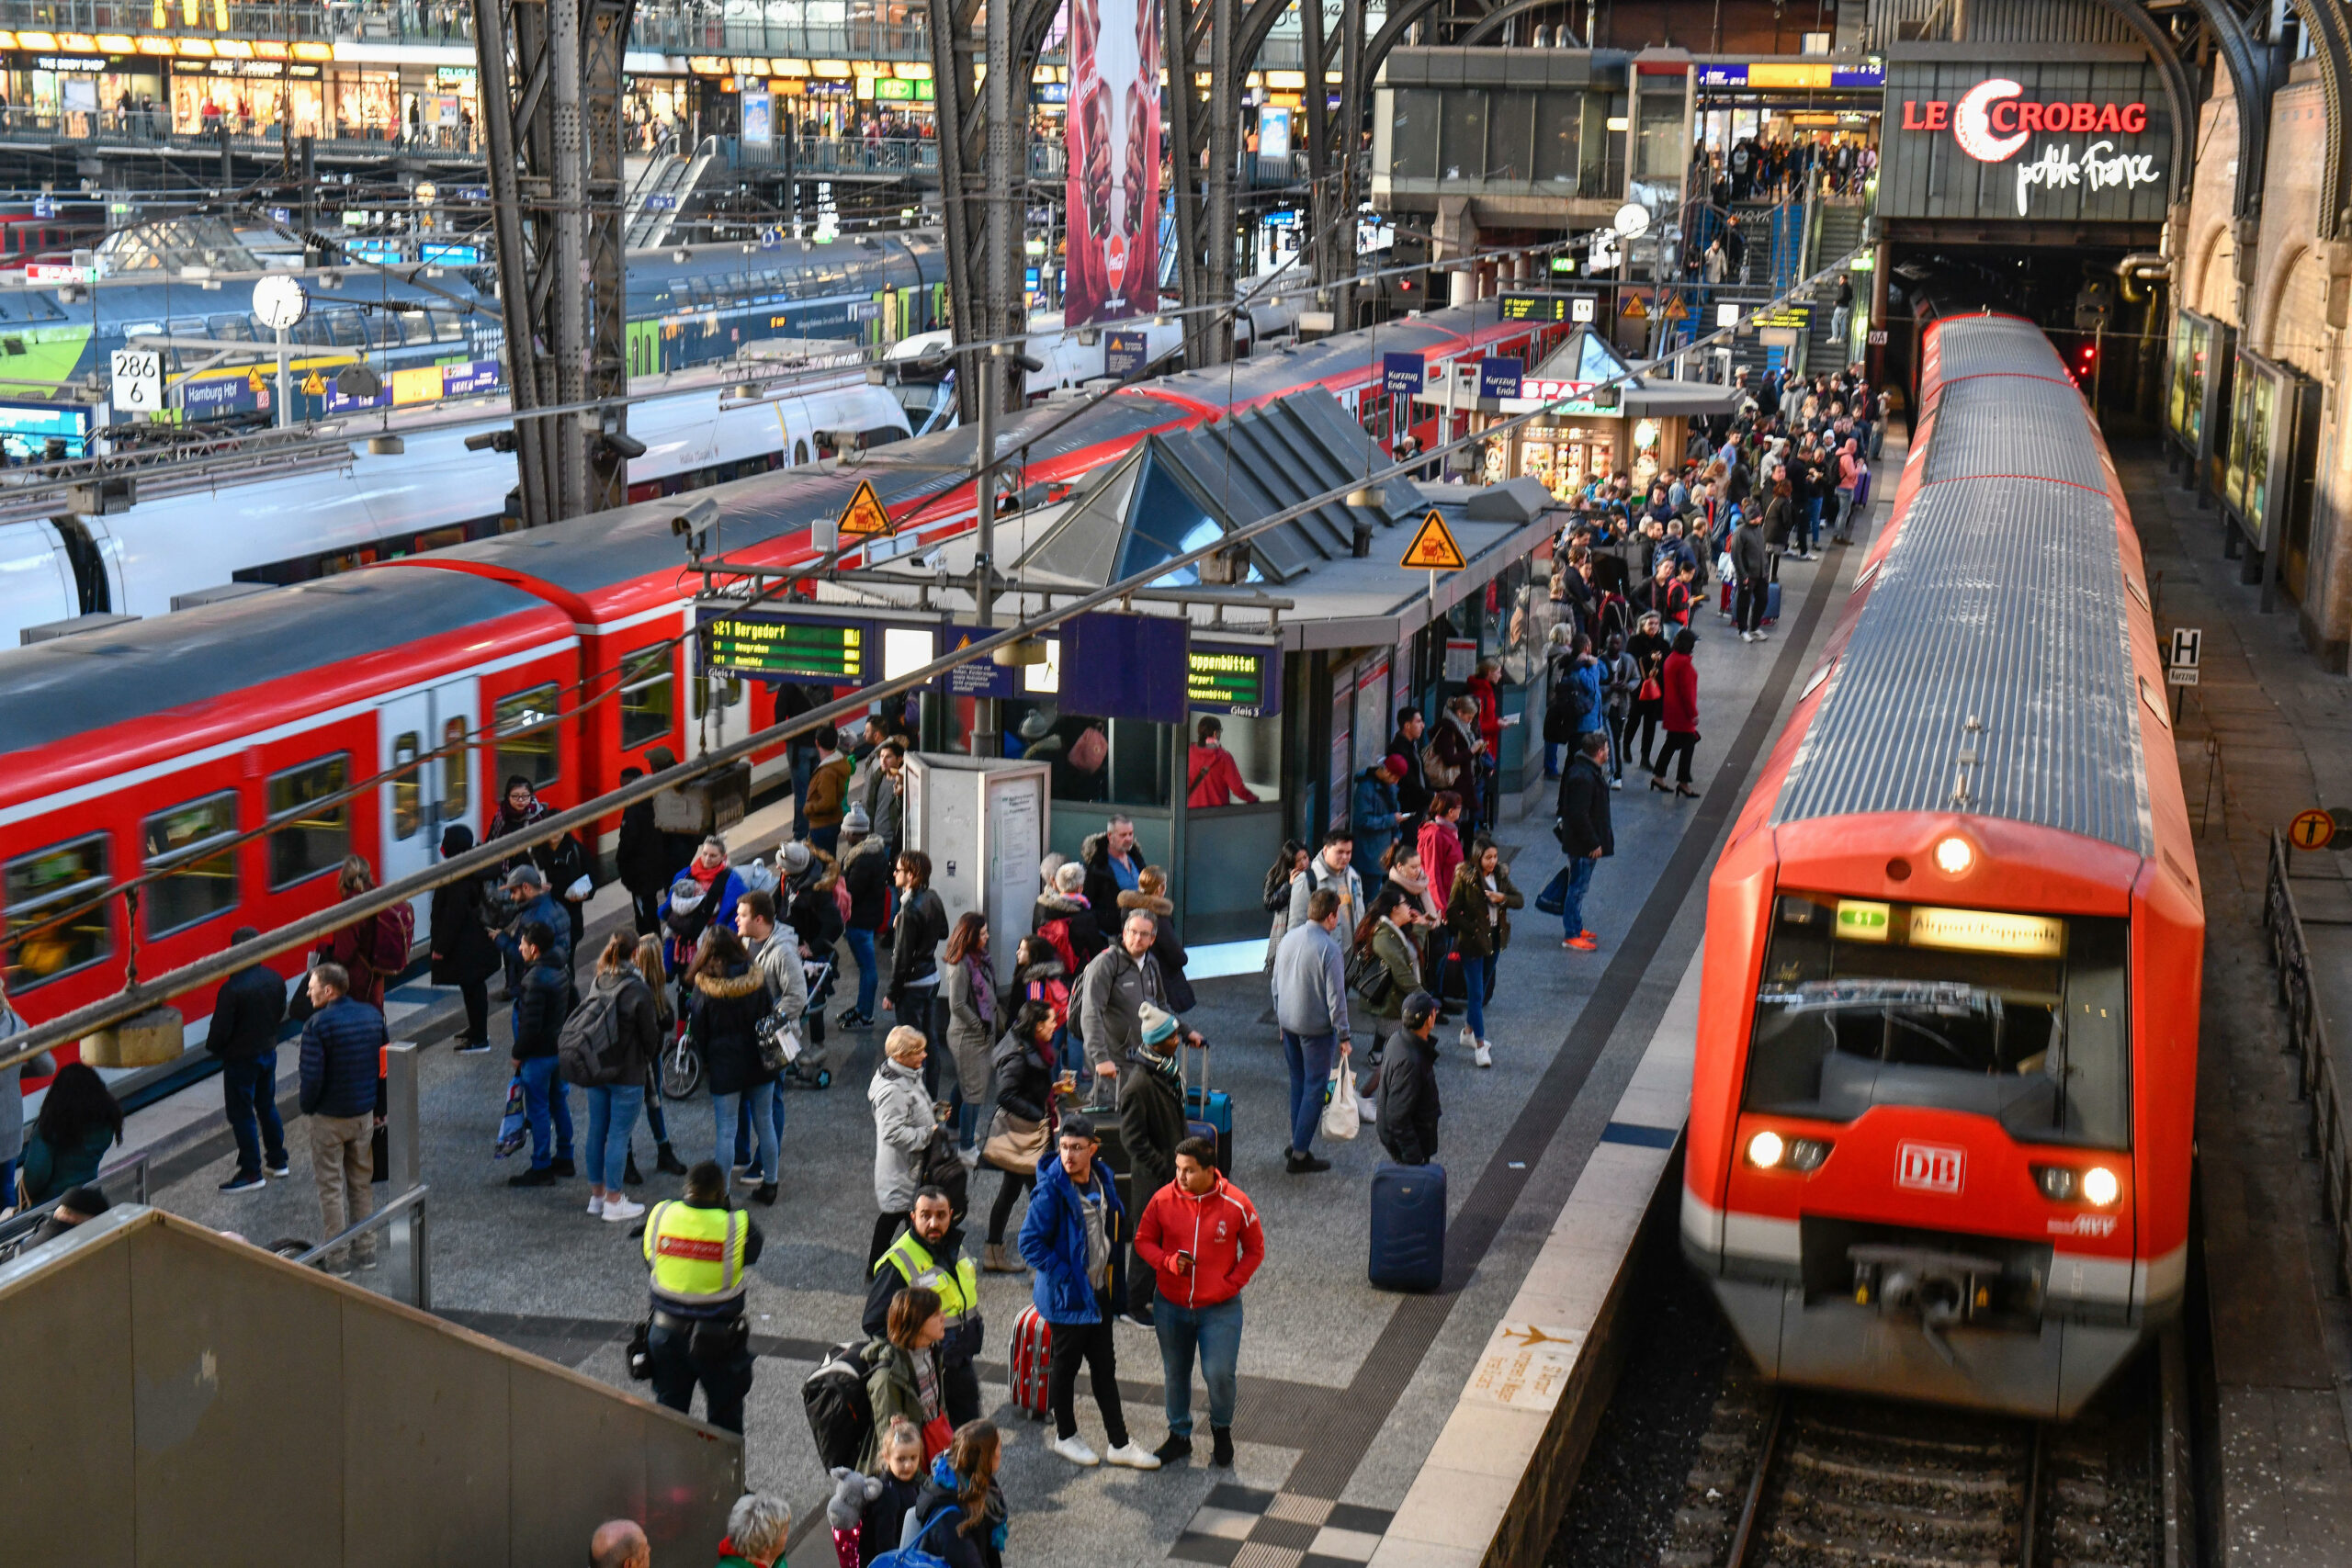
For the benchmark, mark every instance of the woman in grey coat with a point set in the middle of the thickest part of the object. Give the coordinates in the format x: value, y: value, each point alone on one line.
x: 972, y: 1026
x: 12, y: 1103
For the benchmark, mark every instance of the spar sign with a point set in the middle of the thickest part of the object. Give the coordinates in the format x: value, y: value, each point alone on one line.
x: 2057, y: 142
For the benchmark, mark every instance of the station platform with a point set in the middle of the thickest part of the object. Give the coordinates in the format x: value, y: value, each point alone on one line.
x: 2265, y: 733
x: 1400, y: 1430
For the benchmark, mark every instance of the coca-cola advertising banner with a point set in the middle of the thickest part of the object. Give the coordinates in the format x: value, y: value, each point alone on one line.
x: 1113, y: 130
x: 2079, y: 141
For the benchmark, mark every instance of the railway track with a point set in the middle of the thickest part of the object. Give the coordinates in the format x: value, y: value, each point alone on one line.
x: 1803, y: 1479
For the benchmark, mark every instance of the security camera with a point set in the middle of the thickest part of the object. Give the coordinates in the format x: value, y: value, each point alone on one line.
x: 621, y: 444
x: 697, y: 516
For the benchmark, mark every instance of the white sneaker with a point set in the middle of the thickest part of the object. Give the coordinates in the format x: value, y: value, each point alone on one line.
x: 620, y: 1209
x: 1483, y: 1055
x: 1616, y: 784
x: 1366, y: 1113
x: 1469, y: 1041
x: 1073, y: 1449
x: 595, y: 1208
x: 971, y: 1158
x: 1132, y: 1455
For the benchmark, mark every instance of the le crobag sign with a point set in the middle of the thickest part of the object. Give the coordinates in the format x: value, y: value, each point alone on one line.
x: 2031, y: 141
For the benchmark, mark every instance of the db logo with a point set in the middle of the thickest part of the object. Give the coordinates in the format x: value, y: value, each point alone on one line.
x: 1929, y: 1168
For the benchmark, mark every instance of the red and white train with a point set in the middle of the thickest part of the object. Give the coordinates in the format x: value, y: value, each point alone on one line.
x: 1940, y: 1116
x: 147, y: 746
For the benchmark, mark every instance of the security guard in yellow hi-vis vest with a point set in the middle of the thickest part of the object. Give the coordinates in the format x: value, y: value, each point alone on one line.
x: 701, y: 1249
x: 929, y: 1252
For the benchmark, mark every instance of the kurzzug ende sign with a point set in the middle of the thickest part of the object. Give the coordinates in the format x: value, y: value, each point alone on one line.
x: 2041, y: 142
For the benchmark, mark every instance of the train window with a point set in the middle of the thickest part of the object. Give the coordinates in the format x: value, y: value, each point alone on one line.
x: 452, y: 770
x: 191, y: 842
x: 2018, y: 1017
x: 800, y: 452
x: 648, y: 697
x: 408, y: 789
x: 525, y: 726
x: 306, y: 834
x: 384, y: 331
x: 45, y: 886
x: 232, y: 328
x: 416, y: 326
x: 446, y: 327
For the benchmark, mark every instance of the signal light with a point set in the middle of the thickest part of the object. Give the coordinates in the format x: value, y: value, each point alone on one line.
x: 1954, y: 855
x: 1768, y: 1150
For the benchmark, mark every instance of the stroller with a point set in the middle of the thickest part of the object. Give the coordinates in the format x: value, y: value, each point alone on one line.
x: 805, y: 1071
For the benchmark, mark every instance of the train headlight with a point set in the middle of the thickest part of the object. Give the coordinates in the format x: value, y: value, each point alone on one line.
x: 1768, y: 1150
x: 1954, y: 855
x: 2099, y: 1186
x: 2056, y: 1181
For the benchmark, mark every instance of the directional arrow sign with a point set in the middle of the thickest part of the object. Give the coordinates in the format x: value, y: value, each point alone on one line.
x: 1433, y: 549
x: 865, y: 515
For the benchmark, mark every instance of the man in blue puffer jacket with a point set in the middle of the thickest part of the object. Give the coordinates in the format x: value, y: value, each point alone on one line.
x: 342, y: 1049
x: 1075, y: 1239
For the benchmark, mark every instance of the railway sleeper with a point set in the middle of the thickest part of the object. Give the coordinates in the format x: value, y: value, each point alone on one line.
x: 1910, y: 1478
x: 1989, y: 1525
x: 1820, y: 1544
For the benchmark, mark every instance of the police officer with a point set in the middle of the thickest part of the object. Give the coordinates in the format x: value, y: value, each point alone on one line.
x: 701, y: 1248
x: 929, y: 1252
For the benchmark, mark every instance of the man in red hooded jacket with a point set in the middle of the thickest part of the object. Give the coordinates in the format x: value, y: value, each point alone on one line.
x: 1200, y: 1238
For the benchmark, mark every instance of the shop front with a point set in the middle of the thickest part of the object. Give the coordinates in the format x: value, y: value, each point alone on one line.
x: 82, y: 94
x: 1597, y: 421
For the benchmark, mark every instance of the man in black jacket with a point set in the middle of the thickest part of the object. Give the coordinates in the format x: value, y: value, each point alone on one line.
x: 1584, y: 832
x: 1151, y: 1119
x: 1412, y: 790
x: 246, y: 1014
x: 649, y: 860
x: 1409, y: 1107
x: 539, y: 1011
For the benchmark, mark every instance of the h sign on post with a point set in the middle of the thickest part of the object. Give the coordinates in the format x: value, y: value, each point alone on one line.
x: 1401, y: 373
x: 2180, y: 666
x: 135, y: 380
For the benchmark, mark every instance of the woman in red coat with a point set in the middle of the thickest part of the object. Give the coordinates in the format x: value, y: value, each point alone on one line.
x: 1680, y: 680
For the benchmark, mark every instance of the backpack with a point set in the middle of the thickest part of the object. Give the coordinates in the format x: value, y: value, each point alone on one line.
x: 910, y: 1555
x: 841, y: 1414
x: 588, y: 1052
x: 941, y: 1166
x: 1368, y: 976
x: 1565, y: 710
x: 399, y: 925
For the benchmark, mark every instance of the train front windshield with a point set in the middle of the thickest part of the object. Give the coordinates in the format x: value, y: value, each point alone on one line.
x: 2014, y: 1016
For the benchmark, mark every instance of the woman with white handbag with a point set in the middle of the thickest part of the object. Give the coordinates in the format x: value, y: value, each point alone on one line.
x: 1028, y: 1076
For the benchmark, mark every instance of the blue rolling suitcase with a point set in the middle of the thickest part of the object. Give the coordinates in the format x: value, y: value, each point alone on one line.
x: 1408, y: 1227
x: 1771, y: 603
x: 1208, y: 1113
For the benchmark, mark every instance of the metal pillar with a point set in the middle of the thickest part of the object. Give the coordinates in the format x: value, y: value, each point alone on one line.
x: 1179, y: 110
x: 1004, y: 219
x: 551, y: 99
x: 1225, y: 113
x: 953, y: 106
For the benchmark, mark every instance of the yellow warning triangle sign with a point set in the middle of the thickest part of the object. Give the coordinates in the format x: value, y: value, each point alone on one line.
x: 1433, y: 549
x: 313, y: 386
x: 254, y: 379
x: 1636, y: 308
x: 1675, y: 310
x: 865, y: 515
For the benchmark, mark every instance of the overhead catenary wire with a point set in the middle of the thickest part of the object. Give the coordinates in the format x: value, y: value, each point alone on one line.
x: 22, y: 1048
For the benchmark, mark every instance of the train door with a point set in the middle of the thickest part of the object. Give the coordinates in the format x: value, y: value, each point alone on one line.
x: 424, y: 796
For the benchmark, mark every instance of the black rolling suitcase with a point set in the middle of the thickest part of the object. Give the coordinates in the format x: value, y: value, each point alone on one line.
x: 1408, y: 1227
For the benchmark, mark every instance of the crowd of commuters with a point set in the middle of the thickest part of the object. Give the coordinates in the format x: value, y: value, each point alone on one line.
x: 1069, y: 1083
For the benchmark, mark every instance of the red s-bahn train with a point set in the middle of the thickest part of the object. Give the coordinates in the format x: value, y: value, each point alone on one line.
x: 150, y: 746
x: 1941, y: 1107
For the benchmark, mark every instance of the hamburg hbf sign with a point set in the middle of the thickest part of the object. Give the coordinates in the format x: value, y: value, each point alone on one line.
x: 2064, y: 143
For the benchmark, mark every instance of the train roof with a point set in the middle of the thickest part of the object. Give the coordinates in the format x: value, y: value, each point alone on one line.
x: 2002, y: 600
x: 70, y: 687
x: 588, y: 556
x: 1274, y: 372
